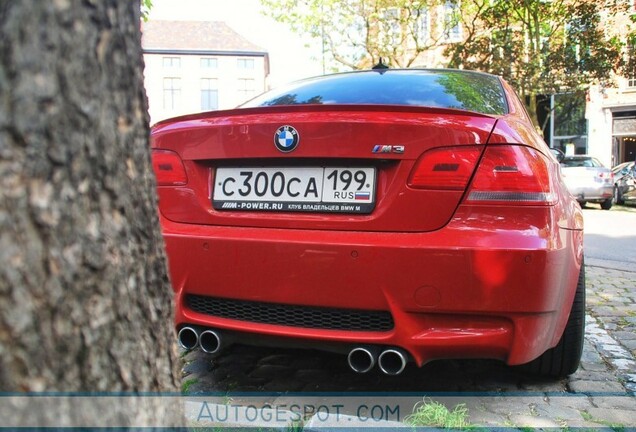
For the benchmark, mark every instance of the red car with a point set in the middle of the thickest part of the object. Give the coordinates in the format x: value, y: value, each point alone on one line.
x: 394, y: 216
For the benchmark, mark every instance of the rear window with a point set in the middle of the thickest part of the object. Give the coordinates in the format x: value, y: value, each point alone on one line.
x: 626, y: 166
x: 462, y: 90
x: 581, y: 162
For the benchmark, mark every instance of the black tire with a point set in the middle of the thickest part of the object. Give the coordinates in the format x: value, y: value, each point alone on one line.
x: 618, y: 197
x: 564, y: 359
x: 607, y: 204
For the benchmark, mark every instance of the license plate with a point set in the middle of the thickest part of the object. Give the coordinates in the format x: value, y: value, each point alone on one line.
x: 302, y: 189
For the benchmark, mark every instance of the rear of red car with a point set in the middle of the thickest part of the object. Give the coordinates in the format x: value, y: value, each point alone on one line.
x: 394, y: 216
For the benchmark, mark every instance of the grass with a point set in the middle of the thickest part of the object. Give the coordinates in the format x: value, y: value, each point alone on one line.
x: 296, y: 427
x: 622, y: 322
x: 185, y: 386
x: 590, y: 418
x: 195, y: 428
x: 563, y: 423
x: 429, y: 413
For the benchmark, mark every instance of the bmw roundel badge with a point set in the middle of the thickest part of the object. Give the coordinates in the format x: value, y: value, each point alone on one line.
x: 286, y: 139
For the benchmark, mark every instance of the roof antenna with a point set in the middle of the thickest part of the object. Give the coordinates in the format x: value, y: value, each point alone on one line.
x: 380, y: 66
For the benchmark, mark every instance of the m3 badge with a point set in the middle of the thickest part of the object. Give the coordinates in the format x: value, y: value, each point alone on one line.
x: 396, y: 149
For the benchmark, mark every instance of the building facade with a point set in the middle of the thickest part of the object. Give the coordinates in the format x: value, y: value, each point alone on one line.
x: 195, y: 66
x: 611, y: 114
x: 611, y: 108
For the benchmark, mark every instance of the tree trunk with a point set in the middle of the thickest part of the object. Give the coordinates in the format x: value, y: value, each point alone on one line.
x: 531, y: 106
x: 85, y: 301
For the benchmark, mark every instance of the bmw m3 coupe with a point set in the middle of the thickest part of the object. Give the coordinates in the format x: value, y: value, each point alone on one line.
x: 393, y: 216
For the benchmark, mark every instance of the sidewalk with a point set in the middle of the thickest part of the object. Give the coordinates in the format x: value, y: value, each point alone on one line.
x: 611, y: 310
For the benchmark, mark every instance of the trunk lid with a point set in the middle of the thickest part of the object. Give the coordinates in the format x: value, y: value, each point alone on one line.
x: 377, y: 144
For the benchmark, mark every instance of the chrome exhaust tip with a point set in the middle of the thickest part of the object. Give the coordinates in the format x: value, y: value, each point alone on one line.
x: 188, y: 338
x: 392, y: 361
x: 361, y: 360
x: 209, y: 341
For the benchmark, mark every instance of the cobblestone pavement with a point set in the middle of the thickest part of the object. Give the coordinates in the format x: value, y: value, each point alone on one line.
x: 600, y: 394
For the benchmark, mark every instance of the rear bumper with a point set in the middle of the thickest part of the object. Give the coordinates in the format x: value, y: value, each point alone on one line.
x: 594, y: 192
x: 482, y: 287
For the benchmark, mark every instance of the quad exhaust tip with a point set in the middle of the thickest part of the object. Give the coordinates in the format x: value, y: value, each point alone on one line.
x: 210, y: 341
x: 188, y: 338
x: 361, y: 360
x: 392, y: 361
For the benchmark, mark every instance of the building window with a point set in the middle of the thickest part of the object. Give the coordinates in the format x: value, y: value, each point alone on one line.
x: 172, y: 62
x: 209, y: 94
x: 246, y: 88
x: 171, y: 93
x: 390, y: 26
x: 569, y: 123
x: 209, y: 63
x: 422, y: 26
x: 245, y: 63
x: 631, y: 65
x: 451, y: 24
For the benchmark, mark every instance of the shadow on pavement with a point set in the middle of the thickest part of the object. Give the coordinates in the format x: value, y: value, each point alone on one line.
x: 249, y: 369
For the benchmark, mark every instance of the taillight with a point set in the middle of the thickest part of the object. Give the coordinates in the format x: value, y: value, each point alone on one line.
x: 169, y: 168
x: 513, y: 174
x: 448, y: 168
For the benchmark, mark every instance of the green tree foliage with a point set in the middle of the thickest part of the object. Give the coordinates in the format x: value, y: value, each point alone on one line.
x: 358, y: 33
x: 146, y: 5
x: 540, y: 46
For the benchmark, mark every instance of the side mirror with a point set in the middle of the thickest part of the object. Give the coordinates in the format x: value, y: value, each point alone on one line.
x: 558, y: 154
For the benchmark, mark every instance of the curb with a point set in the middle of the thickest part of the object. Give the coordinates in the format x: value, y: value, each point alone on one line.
x: 610, y: 264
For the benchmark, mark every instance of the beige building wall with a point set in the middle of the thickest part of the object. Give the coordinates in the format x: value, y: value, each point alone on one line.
x: 605, y: 105
x: 179, y: 83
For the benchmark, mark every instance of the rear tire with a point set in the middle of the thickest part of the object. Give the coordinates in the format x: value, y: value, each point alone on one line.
x: 607, y: 204
x: 564, y: 358
x: 618, y: 197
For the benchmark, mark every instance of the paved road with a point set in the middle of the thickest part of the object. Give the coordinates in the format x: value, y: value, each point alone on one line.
x: 610, y: 236
x: 599, y: 394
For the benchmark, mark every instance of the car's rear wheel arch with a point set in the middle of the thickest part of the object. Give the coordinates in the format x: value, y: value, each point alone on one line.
x: 564, y: 358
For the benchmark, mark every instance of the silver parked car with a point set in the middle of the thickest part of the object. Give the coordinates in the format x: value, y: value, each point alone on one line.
x: 624, y: 182
x: 588, y: 180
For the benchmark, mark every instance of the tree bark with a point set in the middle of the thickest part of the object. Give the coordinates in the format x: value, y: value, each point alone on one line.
x: 85, y: 300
